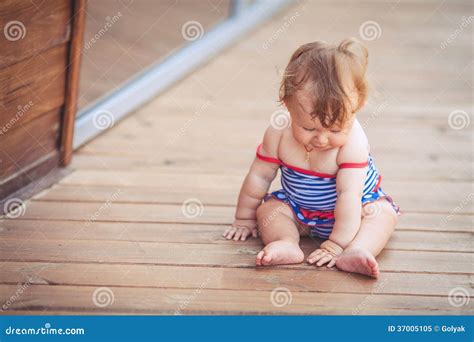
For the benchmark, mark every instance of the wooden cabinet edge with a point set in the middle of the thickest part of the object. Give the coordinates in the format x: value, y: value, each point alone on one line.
x: 72, y: 82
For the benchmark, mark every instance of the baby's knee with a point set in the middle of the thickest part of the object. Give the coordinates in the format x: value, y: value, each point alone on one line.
x: 389, y: 212
x: 267, y: 212
x: 262, y: 211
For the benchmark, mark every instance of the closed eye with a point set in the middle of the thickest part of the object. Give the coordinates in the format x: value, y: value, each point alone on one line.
x: 335, y: 131
x: 309, y: 129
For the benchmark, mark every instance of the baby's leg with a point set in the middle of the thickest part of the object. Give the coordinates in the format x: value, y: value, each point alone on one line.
x: 374, y: 233
x: 279, y: 233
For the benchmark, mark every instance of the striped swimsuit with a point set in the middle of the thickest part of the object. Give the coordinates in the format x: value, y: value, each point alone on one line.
x: 312, y: 195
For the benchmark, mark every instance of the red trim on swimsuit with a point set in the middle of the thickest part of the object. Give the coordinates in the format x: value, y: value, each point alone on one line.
x: 309, y: 172
x: 377, y: 186
x: 353, y: 165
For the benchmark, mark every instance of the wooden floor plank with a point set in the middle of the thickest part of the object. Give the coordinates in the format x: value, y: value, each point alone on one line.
x: 260, y: 279
x: 409, y: 200
x: 206, y: 213
x: 410, y: 195
x: 206, y: 234
x: 206, y: 301
x: 229, y: 255
x: 429, y: 167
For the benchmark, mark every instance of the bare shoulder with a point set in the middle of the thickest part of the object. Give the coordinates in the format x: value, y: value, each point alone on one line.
x: 356, y: 149
x: 271, y: 141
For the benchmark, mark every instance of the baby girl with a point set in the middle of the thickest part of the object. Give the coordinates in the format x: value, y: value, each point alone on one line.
x: 330, y: 185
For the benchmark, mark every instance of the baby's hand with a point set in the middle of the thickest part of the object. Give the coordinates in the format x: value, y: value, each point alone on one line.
x: 327, y: 253
x: 241, y: 229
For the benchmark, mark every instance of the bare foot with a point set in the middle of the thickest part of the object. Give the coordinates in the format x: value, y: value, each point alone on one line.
x: 280, y: 252
x: 358, y: 260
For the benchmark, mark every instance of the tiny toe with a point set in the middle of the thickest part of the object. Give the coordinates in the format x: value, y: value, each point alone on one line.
x: 266, y: 259
x: 259, y: 257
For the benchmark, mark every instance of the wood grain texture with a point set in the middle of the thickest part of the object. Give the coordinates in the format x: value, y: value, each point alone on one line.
x: 32, y: 87
x: 117, y: 221
x: 25, y: 145
x: 33, y: 27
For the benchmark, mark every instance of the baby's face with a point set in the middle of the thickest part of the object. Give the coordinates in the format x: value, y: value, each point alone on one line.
x: 309, y: 132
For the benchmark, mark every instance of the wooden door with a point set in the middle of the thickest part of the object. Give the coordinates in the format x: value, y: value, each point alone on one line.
x: 40, y: 44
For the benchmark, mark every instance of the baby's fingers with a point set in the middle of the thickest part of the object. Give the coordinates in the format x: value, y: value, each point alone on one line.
x: 324, y: 260
x: 332, y: 263
x: 238, y: 234
x: 229, y: 233
x: 315, y: 256
x: 245, y: 234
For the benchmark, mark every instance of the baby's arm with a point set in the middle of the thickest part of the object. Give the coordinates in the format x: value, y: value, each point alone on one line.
x: 349, y: 187
x: 255, y: 187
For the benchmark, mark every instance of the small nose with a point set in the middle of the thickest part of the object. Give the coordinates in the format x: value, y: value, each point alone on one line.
x: 320, y: 139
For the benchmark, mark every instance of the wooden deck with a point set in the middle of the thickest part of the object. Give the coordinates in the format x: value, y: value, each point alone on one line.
x: 112, y: 236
